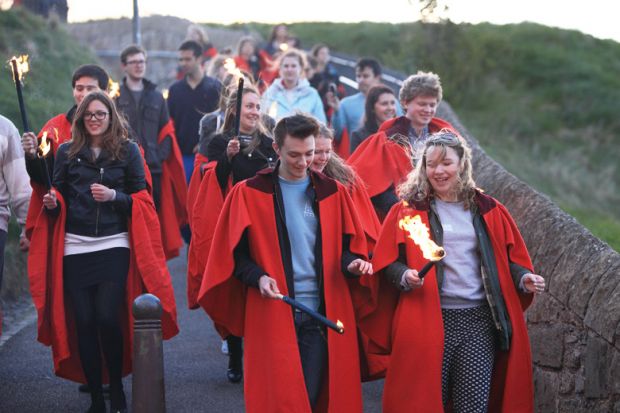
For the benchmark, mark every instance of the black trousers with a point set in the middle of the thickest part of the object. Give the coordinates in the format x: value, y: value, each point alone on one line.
x: 156, y: 180
x: 95, y: 284
x: 312, y: 342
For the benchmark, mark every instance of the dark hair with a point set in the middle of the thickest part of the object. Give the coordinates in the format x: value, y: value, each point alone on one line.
x: 373, y: 64
x: 94, y: 71
x: 317, y: 48
x: 113, y: 137
x: 130, y: 51
x: 274, y: 29
x: 192, y: 45
x: 370, y: 120
x: 312, y: 62
x: 243, y: 41
x: 298, y: 126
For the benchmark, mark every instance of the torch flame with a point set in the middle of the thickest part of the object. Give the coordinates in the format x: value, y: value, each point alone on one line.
x: 340, y: 326
x: 419, y: 233
x: 283, y: 47
x: 231, y: 67
x: 114, y: 89
x: 165, y: 93
x: 44, y: 146
x: 22, y: 65
x: 273, y: 109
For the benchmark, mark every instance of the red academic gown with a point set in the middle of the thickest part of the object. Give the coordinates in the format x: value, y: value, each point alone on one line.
x: 343, y: 147
x: 208, y: 204
x: 273, y: 374
x: 381, y: 162
x: 172, y: 211
x: 410, y: 326
x: 147, y: 273
x: 373, y: 362
x: 200, y: 162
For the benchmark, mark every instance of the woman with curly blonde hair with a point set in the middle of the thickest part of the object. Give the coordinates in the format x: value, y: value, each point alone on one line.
x: 460, y: 339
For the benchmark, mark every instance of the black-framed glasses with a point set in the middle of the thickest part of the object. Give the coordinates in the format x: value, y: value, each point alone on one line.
x: 99, y: 115
x: 136, y: 62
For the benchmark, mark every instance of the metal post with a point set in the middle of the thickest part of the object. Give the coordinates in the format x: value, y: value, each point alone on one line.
x: 137, y: 37
x: 148, y: 390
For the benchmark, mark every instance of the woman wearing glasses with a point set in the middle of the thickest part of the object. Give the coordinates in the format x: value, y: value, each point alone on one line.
x: 100, y: 195
x: 458, y: 336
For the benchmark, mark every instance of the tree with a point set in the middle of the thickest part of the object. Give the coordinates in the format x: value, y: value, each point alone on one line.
x: 432, y: 11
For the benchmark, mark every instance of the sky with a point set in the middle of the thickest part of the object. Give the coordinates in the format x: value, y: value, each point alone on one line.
x: 596, y: 17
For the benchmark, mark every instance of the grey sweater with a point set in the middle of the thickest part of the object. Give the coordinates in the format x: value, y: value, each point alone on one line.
x: 14, y: 182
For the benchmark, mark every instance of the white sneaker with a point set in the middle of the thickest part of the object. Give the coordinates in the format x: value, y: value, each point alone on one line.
x: 224, y: 347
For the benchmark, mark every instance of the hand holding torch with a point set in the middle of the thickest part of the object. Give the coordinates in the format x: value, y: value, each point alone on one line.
x: 420, y: 235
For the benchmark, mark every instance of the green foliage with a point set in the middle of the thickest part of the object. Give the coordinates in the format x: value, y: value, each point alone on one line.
x: 541, y: 101
x: 53, y: 55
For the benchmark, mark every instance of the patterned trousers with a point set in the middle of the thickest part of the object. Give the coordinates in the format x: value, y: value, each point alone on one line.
x: 469, y: 352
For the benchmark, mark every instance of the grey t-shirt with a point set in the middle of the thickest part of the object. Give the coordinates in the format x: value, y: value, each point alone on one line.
x: 462, y: 283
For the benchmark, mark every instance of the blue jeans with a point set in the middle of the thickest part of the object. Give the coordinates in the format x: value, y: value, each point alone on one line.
x: 188, y: 165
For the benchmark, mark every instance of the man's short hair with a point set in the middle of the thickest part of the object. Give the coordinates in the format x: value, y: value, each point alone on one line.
x: 94, y: 71
x: 373, y: 64
x: 298, y: 126
x: 130, y: 51
x: 420, y: 84
x: 192, y: 45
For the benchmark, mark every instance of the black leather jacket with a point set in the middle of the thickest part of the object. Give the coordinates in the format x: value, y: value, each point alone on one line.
x: 74, y: 176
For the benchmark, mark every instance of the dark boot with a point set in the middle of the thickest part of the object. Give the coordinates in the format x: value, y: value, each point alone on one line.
x: 97, y: 403
x: 118, y: 403
x: 235, y: 359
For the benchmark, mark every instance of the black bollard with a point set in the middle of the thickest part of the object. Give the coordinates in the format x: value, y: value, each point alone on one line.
x: 148, y: 390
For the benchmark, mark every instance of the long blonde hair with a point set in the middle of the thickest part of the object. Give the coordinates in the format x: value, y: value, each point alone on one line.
x: 335, y: 167
x: 230, y: 116
x: 417, y: 187
x: 113, y: 138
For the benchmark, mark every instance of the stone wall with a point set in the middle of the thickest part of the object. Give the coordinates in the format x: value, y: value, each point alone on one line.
x: 575, y: 326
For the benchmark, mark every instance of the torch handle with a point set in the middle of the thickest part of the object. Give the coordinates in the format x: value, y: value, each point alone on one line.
x: 20, y: 97
x: 46, y: 172
x: 427, y: 267
x: 239, y: 99
x: 314, y: 314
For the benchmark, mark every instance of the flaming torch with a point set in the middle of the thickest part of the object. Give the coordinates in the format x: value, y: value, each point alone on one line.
x: 114, y: 89
x: 19, y: 66
x: 44, y: 149
x: 419, y: 233
x: 338, y: 327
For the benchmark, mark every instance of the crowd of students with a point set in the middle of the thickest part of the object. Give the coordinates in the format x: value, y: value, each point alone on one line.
x: 274, y: 199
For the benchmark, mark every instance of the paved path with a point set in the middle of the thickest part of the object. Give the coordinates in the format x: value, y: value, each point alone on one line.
x: 195, y: 370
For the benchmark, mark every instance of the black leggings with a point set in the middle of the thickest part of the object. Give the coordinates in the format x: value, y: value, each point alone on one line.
x: 97, y: 310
